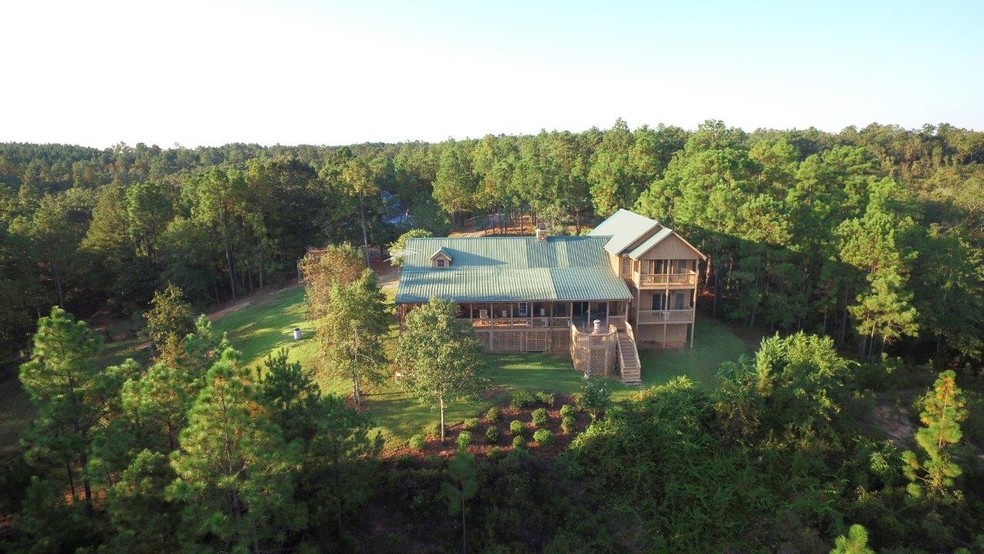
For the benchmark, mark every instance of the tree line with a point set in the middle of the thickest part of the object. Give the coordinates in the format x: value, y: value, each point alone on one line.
x: 872, y: 236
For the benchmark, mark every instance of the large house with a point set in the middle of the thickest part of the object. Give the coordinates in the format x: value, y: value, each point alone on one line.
x: 631, y: 283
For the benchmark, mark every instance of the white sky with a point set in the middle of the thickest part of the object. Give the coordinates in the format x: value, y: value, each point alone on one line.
x: 317, y: 72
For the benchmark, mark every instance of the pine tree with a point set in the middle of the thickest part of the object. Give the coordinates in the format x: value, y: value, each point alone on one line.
x: 233, y: 466
x: 72, y: 395
x: 933, y: 477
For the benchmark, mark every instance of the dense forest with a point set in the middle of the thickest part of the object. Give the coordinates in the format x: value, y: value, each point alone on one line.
x: 862, y: 248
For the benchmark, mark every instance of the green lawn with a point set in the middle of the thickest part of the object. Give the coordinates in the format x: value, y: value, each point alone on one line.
x: 714, y: 343
x: 266, y: 325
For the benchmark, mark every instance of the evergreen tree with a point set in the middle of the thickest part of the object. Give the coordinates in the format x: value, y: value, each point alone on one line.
x: 933, y: 476
x: 72, y: 395
x: 233, y: 467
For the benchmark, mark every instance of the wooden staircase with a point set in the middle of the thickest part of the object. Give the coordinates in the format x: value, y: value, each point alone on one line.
x: 628, y: 358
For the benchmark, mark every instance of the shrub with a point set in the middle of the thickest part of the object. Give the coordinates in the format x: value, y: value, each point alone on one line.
x: 595, y: 396
x: 496, y: 452
x: 464, y: 438
x: 516, y: 427
x: 566, y: 410
x: 540, y: 417
x: 417, y: 442
x: 567, y: 424
x: 432, y: 430
x: 470, y: 424
x: 493, y: 415
x: 492, y: 434
x: 543, y: 436
x: 518, y: 442
x: 546, y: 397
x: 522, y: 399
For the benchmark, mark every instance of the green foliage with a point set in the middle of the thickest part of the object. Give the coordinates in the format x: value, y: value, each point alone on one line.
x: 519, y: 442
x: 566, y: 410
x: 439, y: 356
x: 522, y: 399
x: 800, y: 378
x: 516, y: 427
x: 72, y: 395
x: 417, y: 442
x: 470, y: 424
x: 933, y: 477
x: 464, y: 439
x: 855, y: 542
x: 543, y: 437
x: 547, y: 398
x: 595, y: 396
x: 350, y: 335
x: 540, y: 417
x: 170, y: 317
x: 232, y: 467
x: 461, y: 486
x: 494, y: 415
x: 568, y: 424
x: 396, y: 249
x: 492, y: 434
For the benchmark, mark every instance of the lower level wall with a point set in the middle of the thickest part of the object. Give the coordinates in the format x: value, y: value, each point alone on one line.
x: 651, y: 336
x: 554, y: 340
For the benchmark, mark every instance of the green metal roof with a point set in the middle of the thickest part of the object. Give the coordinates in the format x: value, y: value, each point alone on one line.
x: 624, y: 228
x: 504, y: 269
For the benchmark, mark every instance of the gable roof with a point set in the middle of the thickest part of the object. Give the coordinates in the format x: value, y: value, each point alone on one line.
x: 659, y: 237
x: 625, y: 228
x: 510, y: 269
x: 440, y: 252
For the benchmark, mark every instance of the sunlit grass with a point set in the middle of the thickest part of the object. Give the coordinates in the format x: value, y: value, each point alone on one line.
x: 267, y: 325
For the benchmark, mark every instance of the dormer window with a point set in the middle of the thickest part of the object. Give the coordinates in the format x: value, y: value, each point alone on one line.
x: 441, y: 259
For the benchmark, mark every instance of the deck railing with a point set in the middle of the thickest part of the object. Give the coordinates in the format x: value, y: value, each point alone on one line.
x: 666, y: 316
x: 663, y: 279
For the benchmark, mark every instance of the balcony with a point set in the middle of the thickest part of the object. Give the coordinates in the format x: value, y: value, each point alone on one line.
x: 666, y: 316
x: 665, y: 280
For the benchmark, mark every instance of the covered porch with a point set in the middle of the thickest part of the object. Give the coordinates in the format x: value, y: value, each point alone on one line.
x: 533, y: 314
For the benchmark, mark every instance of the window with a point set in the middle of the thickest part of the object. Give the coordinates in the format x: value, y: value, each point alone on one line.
x: 524, y: 309
x: 679, y: 299
x: 659, y: 302
x: 441, y: 262
x: 681, y: 266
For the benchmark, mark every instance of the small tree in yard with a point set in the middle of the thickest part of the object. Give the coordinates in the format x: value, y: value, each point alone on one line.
x: 350, y: 335
x: 439, y: 356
